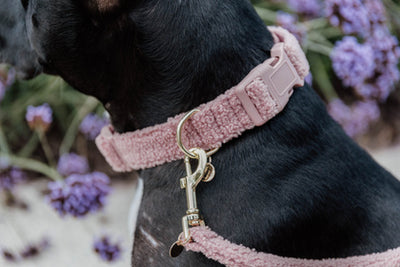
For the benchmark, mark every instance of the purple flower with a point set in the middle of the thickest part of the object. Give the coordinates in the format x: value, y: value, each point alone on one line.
x: 289, y: 22
x: 386, y: 74
x: 309, y: 79
x: 79, y: 194
x: 355, y: 120
x: 9, y: 176
x: 350, y: 15
x: 376, y: 12
x: 92, y: 125
x: 380, y: 86
x: 107, y: 250
x: 352, y: 62
x: 71, y: 163
x: 40, y: 117
x: 309, y: 8
x: 386, y: 47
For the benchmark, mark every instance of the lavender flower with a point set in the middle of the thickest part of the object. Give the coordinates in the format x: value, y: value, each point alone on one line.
x: 9, y: 176
x: 289, y: 22
x: 376, y: 12
x: 92, y: 125
x: 71, y: 163
x: 309, y: 8
x: 40, y: 117
x: 355, y: 120
x: 386, y: 47
x: 352, y: 62
x: 79, y: 194
x: 386, y: 73
x: 106, y: 249
x: 309, y: 78
x: 380, y: 86
x: 350, y: 15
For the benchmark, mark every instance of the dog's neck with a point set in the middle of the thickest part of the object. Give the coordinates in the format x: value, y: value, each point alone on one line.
x: 177, y: 71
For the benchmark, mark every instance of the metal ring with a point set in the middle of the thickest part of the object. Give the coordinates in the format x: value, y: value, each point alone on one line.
x: 179, y: 137
x: 212, y: 151
x: 179, y: 134
x: 183, y: 242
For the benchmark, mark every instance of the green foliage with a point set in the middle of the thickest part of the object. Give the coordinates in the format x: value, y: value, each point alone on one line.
x: 18, y: 142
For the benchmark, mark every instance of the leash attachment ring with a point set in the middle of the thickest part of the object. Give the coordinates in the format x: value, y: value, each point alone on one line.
x: 179, y: 136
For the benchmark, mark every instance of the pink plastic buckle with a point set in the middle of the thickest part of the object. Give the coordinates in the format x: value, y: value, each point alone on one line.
x: 280, y: 76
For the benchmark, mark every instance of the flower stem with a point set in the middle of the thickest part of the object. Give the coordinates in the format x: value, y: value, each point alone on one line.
x: 89, y: 105
x: 321, y: 76
x: 46, y: 148
x: 331, y: 32
x: 32, y: 165
x: 3, y: 141
x: 29, y: 147
x: 316, y: 23
x: 319, y: 48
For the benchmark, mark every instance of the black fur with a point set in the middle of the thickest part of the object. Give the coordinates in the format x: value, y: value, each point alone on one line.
x: 297, y: 186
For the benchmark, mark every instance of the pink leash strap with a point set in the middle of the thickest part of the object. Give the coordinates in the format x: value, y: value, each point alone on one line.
x: 217, y: 248
x: 261, y: 95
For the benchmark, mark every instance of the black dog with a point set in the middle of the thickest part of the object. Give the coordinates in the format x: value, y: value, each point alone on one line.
x: 297, y: 186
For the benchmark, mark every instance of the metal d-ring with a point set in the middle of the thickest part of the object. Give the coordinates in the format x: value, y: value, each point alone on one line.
x: 179, y: 137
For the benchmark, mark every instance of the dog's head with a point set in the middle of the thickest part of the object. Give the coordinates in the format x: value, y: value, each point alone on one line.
x: 126, y: 52
x: 71, y: 38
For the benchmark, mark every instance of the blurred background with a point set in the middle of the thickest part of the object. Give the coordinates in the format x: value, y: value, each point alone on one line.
x: 61, y: 204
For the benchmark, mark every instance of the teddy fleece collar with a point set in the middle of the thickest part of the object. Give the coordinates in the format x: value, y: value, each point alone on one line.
x: 260, y: 96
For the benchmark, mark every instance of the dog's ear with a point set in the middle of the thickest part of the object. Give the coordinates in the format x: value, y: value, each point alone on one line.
x: 103, y: 6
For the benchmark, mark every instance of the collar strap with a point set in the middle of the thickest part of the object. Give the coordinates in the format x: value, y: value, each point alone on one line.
x: 261, y: 95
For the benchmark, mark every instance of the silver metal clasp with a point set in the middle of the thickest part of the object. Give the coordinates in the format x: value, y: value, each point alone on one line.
x: 189, y: 183
x: 204, y: 172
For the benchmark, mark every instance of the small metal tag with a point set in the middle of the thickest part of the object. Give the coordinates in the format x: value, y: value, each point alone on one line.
x: 175, y: 250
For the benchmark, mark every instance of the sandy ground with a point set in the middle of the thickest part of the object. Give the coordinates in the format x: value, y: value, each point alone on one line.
x: 71, y: 239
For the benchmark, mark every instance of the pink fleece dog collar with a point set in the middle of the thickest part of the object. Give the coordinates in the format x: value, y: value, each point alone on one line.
x: 223, y: 251
x: 261, y: 95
